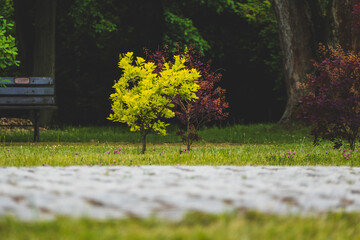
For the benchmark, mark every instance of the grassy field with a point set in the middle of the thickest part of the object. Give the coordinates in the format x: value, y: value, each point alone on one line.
x: 200, y: 226
x: 108, y: 154
x: 243, y: 134
x: 260, y: 144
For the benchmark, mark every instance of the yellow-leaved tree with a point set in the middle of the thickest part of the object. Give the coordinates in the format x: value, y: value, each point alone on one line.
x: 144, y: 99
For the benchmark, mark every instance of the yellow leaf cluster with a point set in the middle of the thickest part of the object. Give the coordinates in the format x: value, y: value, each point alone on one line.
x: 142, y: 99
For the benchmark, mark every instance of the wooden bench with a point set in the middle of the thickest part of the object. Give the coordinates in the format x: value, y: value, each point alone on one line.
x: 28, y: 94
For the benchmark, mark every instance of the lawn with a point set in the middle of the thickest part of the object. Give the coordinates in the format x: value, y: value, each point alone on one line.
x: 260, y: 144
x: 250, y: 225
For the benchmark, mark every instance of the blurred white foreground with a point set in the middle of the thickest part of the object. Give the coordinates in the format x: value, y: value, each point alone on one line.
x: 170, y: 191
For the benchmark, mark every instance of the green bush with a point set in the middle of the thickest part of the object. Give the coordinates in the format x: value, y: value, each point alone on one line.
x: 8, y: 49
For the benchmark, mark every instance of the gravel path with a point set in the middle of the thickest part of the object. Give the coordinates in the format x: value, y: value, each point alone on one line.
x: 170, y: 191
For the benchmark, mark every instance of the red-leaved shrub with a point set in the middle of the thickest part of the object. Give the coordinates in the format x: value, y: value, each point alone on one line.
x: 210, y: 105
x: 332, y: 105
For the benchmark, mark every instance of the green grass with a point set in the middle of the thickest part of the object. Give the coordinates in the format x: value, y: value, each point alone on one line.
x: 251, y: 225
x: 244, y: 134
x: 67, y: 154
x: 260, y: 144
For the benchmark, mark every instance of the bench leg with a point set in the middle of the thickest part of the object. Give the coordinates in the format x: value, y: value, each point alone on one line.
x: 36, y: 126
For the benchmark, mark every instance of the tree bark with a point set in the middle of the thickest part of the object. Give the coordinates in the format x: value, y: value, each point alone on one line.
x: 25, y: 34
x: 35, y: 25
x: 297, y: 40
x: 44, y: 44
x: 301, y: 28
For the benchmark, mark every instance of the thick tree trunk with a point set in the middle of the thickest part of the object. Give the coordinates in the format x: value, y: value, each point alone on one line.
x: 25, y: 34
x: 44, y: 44
x: 35, y: 25
x: 300, y: 31
x: 296, y: 33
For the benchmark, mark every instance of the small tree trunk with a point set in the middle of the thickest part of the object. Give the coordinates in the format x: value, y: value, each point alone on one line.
x: 188, y: 145
x: 143, y: 140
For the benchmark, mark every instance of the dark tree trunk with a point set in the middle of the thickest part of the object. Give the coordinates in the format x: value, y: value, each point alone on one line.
x: 25, y: 34
x: 35, y: 26
x: 301, y: 28
x: 143, y: 141
x: 44, y: 44
x: 296, y: 33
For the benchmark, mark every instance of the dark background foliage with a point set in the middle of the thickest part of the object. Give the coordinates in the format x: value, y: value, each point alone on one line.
x: 90, y: 35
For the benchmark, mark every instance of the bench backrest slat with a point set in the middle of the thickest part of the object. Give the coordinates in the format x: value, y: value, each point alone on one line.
x: 33, y: 91
x: 32, y: 81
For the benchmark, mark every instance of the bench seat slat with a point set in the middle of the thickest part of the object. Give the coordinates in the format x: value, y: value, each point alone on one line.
x: 23, y: 100
x: 27, y: 91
